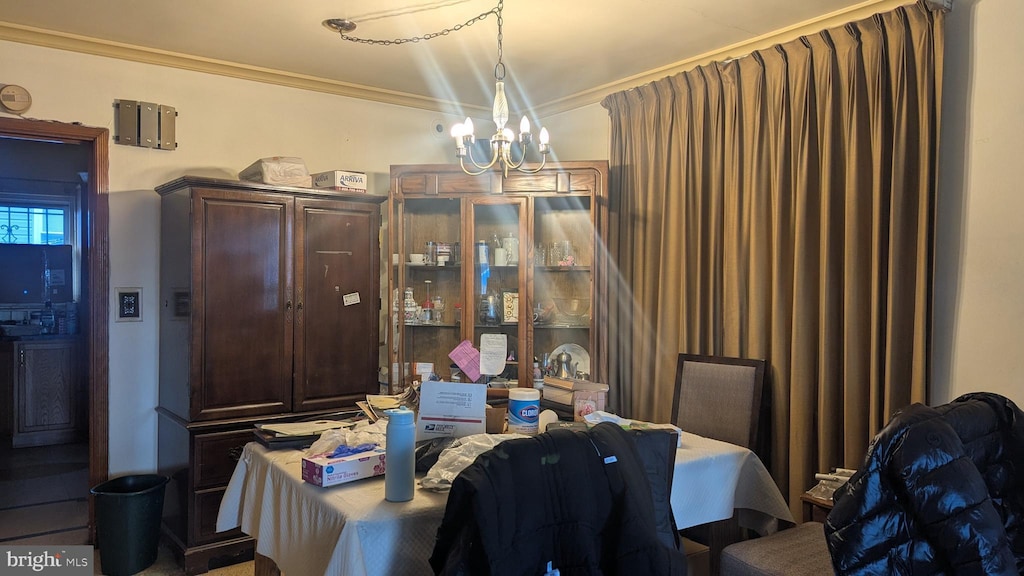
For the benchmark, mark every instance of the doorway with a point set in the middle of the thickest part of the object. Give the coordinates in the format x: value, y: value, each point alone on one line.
x: 95, y: 270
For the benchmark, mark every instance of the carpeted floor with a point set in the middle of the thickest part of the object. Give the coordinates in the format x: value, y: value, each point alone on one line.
x: 166, y: 565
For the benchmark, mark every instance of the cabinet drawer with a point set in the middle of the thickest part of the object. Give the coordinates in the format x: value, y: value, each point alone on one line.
x: 207, y: 507
x: 216, y: 455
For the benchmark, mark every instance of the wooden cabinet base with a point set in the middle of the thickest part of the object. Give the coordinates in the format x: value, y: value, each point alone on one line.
x: 201, y: 559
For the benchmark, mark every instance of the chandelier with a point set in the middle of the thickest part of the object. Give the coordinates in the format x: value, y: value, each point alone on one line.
x: 501, y: 141
x: 502, y: 154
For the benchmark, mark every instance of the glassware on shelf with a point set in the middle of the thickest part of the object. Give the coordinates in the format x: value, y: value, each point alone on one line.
x: 539, y: 255
x: 489, y: 309
x: 444, y: 250
x: 511, y: 245
x: 427, y: 316
x: 438, y: 309
x: 430, y: 254
x: 554, y: 254
x: 562, y: 254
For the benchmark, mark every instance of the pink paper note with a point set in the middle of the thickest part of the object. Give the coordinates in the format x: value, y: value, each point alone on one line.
x: 467, y: 359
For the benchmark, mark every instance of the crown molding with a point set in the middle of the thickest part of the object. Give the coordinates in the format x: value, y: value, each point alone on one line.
x: 738, y: 50
x: 132, y: 53
x: 106, y: 48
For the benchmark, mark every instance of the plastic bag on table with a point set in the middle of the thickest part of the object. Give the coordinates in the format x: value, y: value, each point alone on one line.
x: 330, y: 440
x: 460, y: 454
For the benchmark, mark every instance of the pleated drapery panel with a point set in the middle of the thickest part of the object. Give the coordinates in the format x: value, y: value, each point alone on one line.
x: 781, y: 206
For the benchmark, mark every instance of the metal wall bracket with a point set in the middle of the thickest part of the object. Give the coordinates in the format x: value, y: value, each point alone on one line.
x: 145, y: 124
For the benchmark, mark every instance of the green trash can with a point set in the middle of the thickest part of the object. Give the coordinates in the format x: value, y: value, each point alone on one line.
x: 128, y: 511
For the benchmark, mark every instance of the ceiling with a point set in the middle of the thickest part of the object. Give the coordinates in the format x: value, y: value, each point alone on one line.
x: 559, y: 54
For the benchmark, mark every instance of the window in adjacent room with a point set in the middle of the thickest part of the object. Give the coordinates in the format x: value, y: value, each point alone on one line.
x: 34, y: 224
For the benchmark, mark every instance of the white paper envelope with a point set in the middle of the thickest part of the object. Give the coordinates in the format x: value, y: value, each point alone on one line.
x: 451, y: 409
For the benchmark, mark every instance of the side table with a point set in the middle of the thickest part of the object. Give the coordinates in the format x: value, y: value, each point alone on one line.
x: 815, y: 509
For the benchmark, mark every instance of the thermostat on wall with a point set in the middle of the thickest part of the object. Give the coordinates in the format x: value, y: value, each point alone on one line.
x: 15, y: 99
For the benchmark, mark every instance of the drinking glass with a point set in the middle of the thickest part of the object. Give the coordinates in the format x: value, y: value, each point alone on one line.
x: 539, y: 254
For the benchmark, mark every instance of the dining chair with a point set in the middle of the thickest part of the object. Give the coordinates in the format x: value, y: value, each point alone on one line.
x: 721, y: 397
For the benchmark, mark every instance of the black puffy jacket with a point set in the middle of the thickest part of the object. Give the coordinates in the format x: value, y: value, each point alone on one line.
x: 940, y: 492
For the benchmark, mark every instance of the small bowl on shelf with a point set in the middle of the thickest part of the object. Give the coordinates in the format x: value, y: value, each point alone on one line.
x: 572, y: 309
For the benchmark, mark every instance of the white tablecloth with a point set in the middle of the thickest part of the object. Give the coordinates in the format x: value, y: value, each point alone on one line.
x: 711, y: 479
x: 351, y: 530
x: 342, y: 530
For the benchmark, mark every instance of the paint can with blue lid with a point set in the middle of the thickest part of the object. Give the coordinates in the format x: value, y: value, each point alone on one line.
x: 523, y: 410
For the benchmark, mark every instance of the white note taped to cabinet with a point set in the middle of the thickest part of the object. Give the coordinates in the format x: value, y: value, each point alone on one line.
x: 350, y: 299
x: 493, y: 348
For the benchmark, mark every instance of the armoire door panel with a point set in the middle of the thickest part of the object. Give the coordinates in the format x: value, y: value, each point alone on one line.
x: 336, y: 264
x: 245, y: 348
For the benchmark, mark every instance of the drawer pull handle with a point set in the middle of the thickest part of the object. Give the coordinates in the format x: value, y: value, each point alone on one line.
x: 235, y: 453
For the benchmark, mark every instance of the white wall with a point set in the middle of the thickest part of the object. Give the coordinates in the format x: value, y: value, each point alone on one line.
x: 580, y: 134
x: 223, y: 126
x: 979, y: 292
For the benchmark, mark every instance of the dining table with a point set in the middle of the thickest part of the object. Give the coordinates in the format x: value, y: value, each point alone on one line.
x: 351, y: 530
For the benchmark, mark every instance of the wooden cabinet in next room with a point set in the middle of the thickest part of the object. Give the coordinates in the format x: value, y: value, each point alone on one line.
x: 269, y: 309
x: 40, y: 384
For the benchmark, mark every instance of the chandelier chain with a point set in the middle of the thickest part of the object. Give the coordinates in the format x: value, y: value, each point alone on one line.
x: 431, y: 35
x: 499, y: 75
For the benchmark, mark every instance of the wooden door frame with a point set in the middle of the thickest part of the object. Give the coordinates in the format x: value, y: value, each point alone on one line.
x: 93, y: 321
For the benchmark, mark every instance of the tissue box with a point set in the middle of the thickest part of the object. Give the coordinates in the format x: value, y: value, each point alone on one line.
x: 279, y: 170
x: 341, y: 180
x: 331, y: 471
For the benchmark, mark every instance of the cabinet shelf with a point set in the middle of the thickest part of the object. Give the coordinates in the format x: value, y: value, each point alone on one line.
x: 432, y: 267
x: 563, y: 268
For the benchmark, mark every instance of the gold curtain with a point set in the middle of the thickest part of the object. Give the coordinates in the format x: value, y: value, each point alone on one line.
x: 781, y: 206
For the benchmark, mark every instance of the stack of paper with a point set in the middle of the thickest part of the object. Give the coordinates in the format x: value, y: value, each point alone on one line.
x: 283, y: 429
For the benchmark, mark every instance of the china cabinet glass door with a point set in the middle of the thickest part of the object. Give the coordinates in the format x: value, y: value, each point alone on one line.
x: 497, y: 279
x: 427, y: 299
x: 562, y: 287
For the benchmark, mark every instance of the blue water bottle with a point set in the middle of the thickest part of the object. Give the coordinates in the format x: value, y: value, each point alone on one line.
x: 400, y: 455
